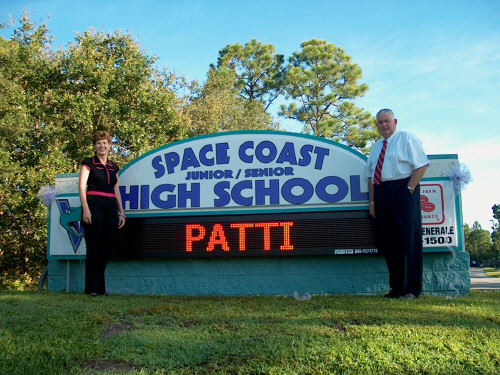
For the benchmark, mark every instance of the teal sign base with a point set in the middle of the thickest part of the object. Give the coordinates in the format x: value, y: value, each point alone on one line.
x: 445, y: 273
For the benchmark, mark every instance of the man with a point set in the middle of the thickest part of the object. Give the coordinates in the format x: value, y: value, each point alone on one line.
x: 394, y: 194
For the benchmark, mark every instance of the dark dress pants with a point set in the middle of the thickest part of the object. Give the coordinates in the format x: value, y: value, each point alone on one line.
x: 399, y: 234
x: 100, y: 239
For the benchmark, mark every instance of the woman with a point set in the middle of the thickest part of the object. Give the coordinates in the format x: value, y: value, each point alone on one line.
x: 102, y: 211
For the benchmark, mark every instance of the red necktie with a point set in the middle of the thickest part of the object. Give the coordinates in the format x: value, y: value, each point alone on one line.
x: 378, y: 169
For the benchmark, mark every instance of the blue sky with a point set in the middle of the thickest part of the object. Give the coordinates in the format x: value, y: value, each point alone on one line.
x: 435, y: 63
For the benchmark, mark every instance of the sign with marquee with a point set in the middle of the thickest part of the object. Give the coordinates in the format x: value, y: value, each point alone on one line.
x: 238, y: 194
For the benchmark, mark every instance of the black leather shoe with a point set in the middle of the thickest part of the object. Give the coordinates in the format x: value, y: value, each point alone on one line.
x: 392, y: 294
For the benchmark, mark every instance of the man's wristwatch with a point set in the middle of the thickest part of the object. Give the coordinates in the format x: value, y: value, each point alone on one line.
x: 412, y: 190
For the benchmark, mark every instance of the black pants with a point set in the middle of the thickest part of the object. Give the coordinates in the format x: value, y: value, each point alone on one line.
x: 399, y: 234
x: 100, y: 239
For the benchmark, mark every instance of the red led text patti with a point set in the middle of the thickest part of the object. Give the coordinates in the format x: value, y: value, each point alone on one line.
x: 197, y: 232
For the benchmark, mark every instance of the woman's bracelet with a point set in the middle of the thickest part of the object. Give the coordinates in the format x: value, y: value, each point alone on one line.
x: 85, y: 205
x: 122, y: 215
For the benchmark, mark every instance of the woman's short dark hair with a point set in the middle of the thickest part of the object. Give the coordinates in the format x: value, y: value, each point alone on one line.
x: 101, y: 134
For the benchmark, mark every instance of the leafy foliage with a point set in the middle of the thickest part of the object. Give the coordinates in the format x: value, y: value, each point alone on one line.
x: 218, y: 107
x: 258, y: 69
x: 495, y: 236
x: 26, y: 79
x: 51, y: 104
x: 496, y: 211
x: 109, y: 83
x: 478, y: 242
x: 322, y: 81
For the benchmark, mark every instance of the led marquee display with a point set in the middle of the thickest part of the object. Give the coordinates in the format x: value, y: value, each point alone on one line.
x: 281, y: 234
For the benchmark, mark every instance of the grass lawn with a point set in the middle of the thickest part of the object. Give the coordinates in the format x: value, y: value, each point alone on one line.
x: 57, y: 333
x: 492, y: 272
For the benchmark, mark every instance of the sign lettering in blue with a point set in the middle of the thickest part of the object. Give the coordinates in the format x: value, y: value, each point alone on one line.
x: 228, y: 171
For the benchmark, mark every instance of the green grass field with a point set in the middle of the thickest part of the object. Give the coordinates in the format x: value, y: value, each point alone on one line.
x: 57, y: 333
x: 492, y: 272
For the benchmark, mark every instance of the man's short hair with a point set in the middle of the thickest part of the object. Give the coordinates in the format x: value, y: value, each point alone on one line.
x: 385, y: 110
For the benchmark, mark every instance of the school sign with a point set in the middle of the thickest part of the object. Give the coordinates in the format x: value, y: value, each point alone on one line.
x: 260, y: 194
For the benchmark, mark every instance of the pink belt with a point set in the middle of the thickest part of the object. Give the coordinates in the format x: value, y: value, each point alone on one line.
x: 102, y: 194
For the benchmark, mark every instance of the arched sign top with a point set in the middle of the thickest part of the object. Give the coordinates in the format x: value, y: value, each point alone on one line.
x: 248, y: 170
x: 245, y: 132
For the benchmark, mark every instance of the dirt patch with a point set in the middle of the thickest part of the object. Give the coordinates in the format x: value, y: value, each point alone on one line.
x: 337, y: 327
x: 107, y: 365
x: 115, y: 330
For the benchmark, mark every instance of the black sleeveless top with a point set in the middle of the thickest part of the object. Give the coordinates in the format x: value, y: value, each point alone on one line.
x: 102, y: 177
